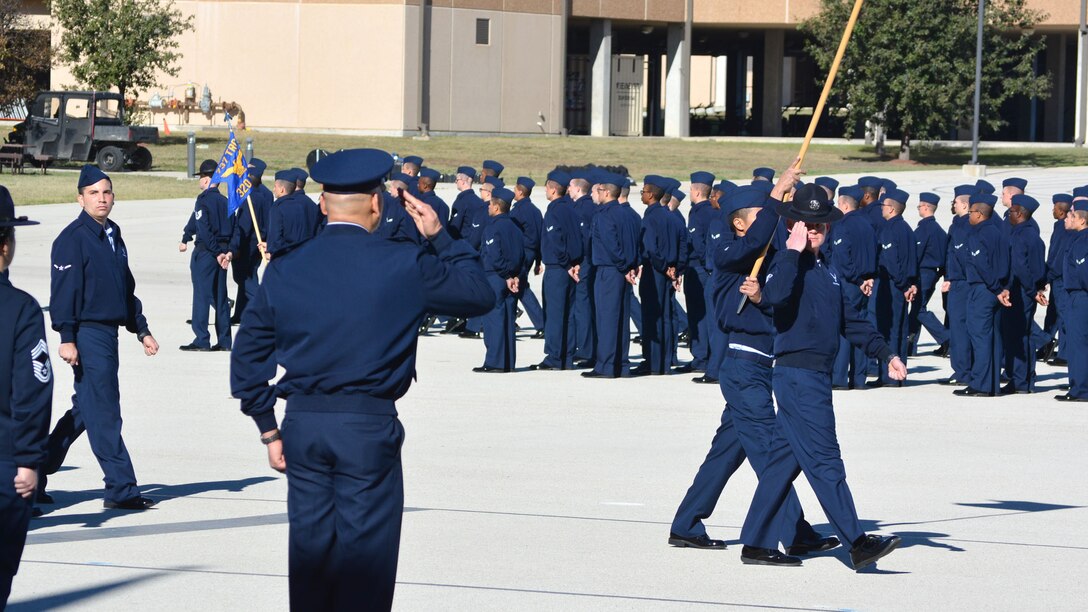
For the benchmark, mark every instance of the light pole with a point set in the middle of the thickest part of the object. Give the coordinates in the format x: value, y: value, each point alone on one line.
x: 1082, y: 76
x: 978, y: 82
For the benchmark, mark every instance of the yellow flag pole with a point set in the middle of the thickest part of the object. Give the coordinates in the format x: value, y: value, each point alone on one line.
x: 815, y: 118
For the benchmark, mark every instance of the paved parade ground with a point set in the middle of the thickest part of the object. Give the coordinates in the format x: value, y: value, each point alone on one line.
x: 548, y: 491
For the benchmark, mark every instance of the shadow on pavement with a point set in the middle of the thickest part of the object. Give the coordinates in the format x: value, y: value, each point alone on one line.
x: 49, y: 602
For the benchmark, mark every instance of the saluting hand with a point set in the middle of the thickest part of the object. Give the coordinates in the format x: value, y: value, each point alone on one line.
x: 424, y: 216
x: 151, y: 347
x: 69, y: 353
x: 798, y: 239
x: 897, y: 370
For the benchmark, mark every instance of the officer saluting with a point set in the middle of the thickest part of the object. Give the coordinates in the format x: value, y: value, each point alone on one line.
x: 26, y: 398
x: 91, y: 295
x: 341, y: 437
x: 810, y: 310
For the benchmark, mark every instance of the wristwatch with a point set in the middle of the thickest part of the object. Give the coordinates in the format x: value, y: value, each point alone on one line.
x: 272, y: 438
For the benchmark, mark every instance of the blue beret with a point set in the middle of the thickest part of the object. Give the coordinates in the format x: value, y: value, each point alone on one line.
x: 1080, y: 205
x: 611, y: 178
x: 1025, y: 201
x: 870, y: 181
x: 725, y: 186
x: 581, y: 175
x: 704, y: 178
x: 744, y: 197
x: 898, y: 195
x: 852, y: 191
x: 1062, y: 197
x: 413, y: 159
x: 984, y: 186
x: 964, y: 190
x: 1080, y: 192
x: 678, y: 195
x: 407, y: 179
x: 988, y: 199
x: 888, y: 185
x: 671, y: 185
x: 526, y: 182
x: 655, y: 180
x: 494, y: 181
x: 827, y: 181
x: 352, y: 170
x: 301, y: 176
x: 257, y: 167
x: 286, y: 175
x: 929, y: 198
x: 494, y: 166
x: 560, y: 177
x: 430, y: 173
x: 467, y: 170
x: 503, y: 194
x: 89, y: 175
x: 767, y: 173
x: 1019, y: 183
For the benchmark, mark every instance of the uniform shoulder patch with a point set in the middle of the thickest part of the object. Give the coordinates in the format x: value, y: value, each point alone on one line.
x: 199, y: 213
x: 39, y: 356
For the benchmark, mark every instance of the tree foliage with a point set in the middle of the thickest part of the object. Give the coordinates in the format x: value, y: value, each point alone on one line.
x: 24, y: 55
x: 119, y: 43
x: 910, y: 64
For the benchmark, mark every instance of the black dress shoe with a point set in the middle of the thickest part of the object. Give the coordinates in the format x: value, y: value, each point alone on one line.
x: 468, y: 334
x: 219, y: 348
x: 1010, y: 389
x: 971, y: 392
x: 1046, y: 352
x: 809, y: 546
x: 952, y: 381
x: 192, y: 346
x: 705, y: 380
x: 486, y: 369
x: 1063, y: 387
x: 539, y: 335
x: 687, y: 368
x: 636, y: 340
x: 642, y: 370
x: 870, y: 547
x: 700, y: 541
x: 595, y: 374
x: 542, y: 366
x: 683, y: 338
x: 874, y: 384
x: 1070, y: 398
x: 136, y: 503
x: 942, y: 351
x: 43, y: 498
x: 583, y: 364
x: 750, y: 555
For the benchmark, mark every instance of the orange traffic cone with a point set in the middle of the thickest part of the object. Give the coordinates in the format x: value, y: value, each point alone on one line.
x: 165, y: 127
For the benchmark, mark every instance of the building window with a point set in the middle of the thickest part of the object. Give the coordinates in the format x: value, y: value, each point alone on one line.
x: 483, y: 31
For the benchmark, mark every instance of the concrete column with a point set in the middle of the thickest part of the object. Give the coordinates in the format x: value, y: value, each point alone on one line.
x: 653, y: 125
x: 1080, y: 113
x: 600, y: 104
x: 720, y: 79
x: 774, y: 47
x: 678, y: 81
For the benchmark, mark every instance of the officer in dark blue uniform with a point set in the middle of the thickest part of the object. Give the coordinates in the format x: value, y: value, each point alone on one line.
x: 580, y: 194
x: 1075, y: 279
x: 716, y: 233
x: 672, y: 200
x: 1010, y: 187
x: 26, y: 399
x: 931, y: 243
x: 341, y: 439
x: 1027, y: 284
x: 396, y: 223
x: 659, y: 250
x: 467, y: 205
x: 810, y: 312
x: 207, y: 268
x: 428, y: 179
x: 246, y: 251
x: 763, y: 174
x: 848, y: 248
x: 412, y: 165
x: 1053, y: 324
x: 615, y: 258
x: 92, y: 293
x: 984, y: 187
x: 529, y: 219
x: 988, y: 281
x: 472, y: 230
x: 697, y: 278
x: 897, y: 280
x: 872, y: 205
x: 561, y: 252
x: 491, y: 167
x: 503, y: 253
x: 956, y: 288
x: 293, y: 218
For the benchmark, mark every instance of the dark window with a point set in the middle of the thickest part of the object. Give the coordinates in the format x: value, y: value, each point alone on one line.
x: 483, y: 31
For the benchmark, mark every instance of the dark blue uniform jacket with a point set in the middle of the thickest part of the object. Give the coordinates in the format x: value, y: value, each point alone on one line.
x: 561, y: 242
x: 503, y: 248
x: 898, y: 261
x: 26, y: 387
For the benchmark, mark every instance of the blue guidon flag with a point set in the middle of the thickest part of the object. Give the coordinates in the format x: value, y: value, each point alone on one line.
x: 234, y: 172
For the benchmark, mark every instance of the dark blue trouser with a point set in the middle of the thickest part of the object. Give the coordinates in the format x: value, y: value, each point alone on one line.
x: 716, y: 338
x: 244, y: 271
x: 499, y: 331
x: 209, y: 291
x: 96, y: 409
x: 1054, y: 321
x: 611, y: 301
x: 891, y: 322
x: 14, y: 521
x: 927, y: 284
x: 559, y: 340
x: 804, y: 441
x: 584, y: 332
x: 746, y: 430
x: 345, y: 500
x: 959, y: 340
x: 658, y: 336
x: 695, y: 281
x: 1076, y: 326
x: 851, y: 363
x: 1017, y: 343
x: 984, y: 328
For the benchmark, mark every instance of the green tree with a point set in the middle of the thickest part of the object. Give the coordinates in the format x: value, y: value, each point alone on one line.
x: 119, y: 43
x: 24, y: 56
x: 910, y: 64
